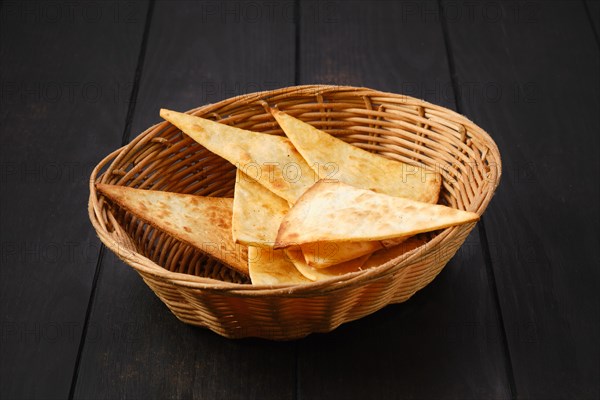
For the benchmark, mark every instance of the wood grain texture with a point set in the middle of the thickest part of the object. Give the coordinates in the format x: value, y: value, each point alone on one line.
x: 137, y: 348
x: 393, y: 46
x: 525, y: 71
x: 218, y: 50
x: 593, y: 9
x: 542, y: 225
x: 197, y: 52
x: 446, y: 341
x: 63, y: 70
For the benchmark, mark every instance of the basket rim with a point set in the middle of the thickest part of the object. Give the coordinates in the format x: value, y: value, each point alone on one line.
x: 147, y: 267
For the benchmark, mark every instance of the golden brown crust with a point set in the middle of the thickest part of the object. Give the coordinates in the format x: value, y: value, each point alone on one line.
x: 326, y: 254
x: 336, y: 212
x: 201, y: 222
x: 333, y: 159
x: 257, y: 212
x: 267, y: 155
x: 319, y: 274
x: 272, y: 267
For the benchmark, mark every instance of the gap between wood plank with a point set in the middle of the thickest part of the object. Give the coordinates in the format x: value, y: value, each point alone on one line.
x: 124, y: 140
x: 137, y: 77
x: 492, y: 283
x: 589, y: 15
x: 86, y: 321
x: 481, y: 225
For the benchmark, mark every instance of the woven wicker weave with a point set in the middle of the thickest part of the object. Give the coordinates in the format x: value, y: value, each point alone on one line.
x: 200, y: 291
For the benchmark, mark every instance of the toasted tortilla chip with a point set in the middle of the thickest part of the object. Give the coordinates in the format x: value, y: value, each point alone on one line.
x: 202, y: 222
x: 257, y: 212
x: 336, y: 212
x: 393, y: 242
x: 336, y: 160
x: 318, y: 274
x: 271, y: 160
x: 272, y: 267
x: 326, y: 254
x: 365, y: 262
x: 382, y: 256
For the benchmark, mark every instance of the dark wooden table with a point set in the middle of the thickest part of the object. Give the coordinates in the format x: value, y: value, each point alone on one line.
x: 515, y: 314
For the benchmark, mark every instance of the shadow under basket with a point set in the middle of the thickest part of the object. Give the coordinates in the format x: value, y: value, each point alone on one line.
x: 201, y: 291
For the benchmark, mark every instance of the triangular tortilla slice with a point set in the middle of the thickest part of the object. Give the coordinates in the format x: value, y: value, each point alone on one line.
x: 367, y: 261
x: 393, y: 242
x: 382, y: 256
x: 202, y: 222
x: 336, y: 212
x: 319, y: 274
x: 336, y: 160
x: 340, y: 160
x: 271, y: 160
x: 326, y: 254
x: 257, y: 212
x: 272, y: 267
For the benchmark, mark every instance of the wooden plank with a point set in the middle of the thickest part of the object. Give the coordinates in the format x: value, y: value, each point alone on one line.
x: 198, y: 52
x: 543, y: 223
x: 384, y: 47
x: 593, y: 10
x: 63, y: 66
x: 446, y: 341
x: 234, y: 55
x: 137, y: 348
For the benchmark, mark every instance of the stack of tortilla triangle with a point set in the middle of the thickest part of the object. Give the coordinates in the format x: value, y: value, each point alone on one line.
x: 307, y: 206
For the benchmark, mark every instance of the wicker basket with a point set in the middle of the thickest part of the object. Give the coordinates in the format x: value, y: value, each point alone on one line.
x: 200, y: 291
